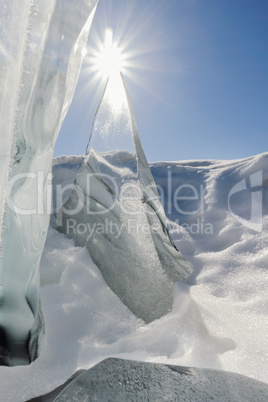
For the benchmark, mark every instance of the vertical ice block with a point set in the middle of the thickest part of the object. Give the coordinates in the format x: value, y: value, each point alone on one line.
x: 115, y: 211
x: 41, y: 48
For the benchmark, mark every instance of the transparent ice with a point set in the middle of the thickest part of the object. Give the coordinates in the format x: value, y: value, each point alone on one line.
x: 41, y: 48
x: 115, y: 211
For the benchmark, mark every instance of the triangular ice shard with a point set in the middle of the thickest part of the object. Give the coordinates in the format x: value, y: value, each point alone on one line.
x: 115, y: 211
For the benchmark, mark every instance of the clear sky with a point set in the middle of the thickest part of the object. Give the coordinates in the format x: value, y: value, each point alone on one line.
x: 197, y: 77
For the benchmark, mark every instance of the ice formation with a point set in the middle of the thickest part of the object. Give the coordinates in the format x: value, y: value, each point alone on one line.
x: 42, y: 45
x: 115, y: 211
x: 122, y: 380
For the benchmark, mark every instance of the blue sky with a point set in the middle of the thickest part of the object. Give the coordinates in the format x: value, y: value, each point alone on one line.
x: 197, y: 77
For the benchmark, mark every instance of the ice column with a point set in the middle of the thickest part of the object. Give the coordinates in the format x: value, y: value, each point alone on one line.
x: 41, y: 48
x: 116, y: 212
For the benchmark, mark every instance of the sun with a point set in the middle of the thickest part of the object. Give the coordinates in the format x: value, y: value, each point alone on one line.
x: 109, y: 64
x: 109, y: 59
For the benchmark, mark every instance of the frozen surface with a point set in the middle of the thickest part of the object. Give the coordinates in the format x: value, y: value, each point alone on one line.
x: 124, y: 380
x: 219, y: 317
x: 115, y: 211
x: 41, y: 49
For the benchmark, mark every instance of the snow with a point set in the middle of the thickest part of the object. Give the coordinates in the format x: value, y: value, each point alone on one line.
x: 219, y: 317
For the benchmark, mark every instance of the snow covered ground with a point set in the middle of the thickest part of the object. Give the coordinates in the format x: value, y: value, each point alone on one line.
x: 219, y: 317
